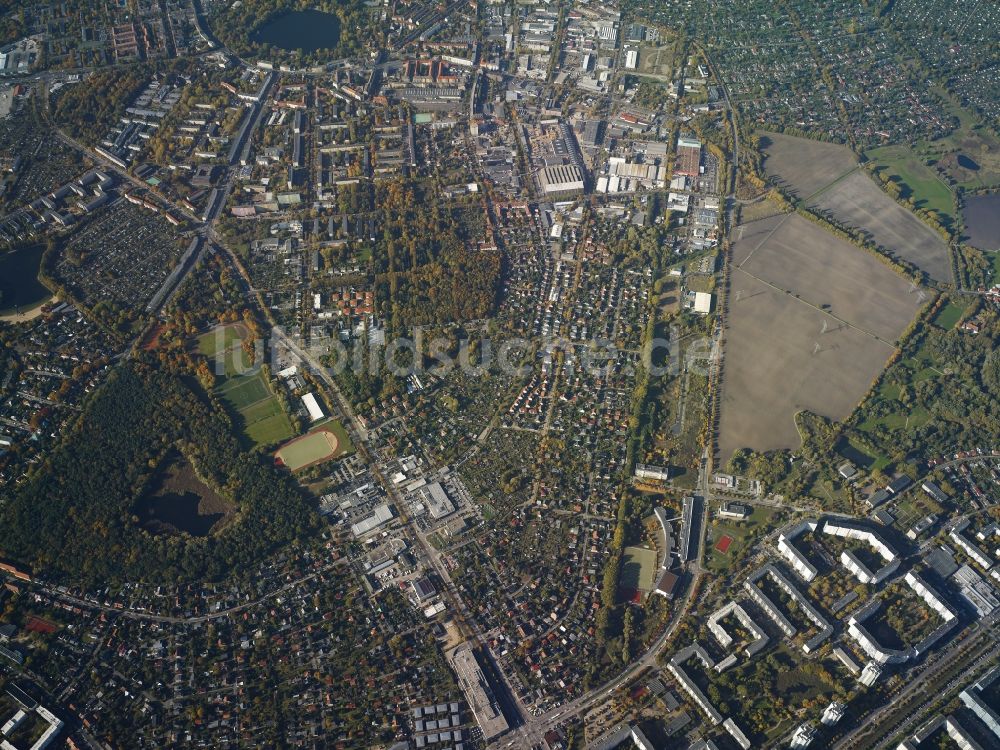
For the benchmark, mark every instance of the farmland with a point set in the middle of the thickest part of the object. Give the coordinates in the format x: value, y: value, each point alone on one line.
x: 827, y: 179
x: 812, y: 321
x: 858, y: 202
x: 802, y: 166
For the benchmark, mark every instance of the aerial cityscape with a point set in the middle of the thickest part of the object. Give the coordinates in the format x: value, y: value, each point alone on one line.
x: 499, y: 374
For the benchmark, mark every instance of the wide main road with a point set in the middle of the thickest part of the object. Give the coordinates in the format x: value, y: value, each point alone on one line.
x: 952, y: 670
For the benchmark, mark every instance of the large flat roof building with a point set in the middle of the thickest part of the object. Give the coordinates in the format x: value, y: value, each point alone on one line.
x: 478, y: 692
x: 688, y: 157
x: 973, y: 699
x: 561, y: 179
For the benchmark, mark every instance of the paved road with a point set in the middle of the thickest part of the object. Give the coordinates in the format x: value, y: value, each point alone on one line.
x: 980, y: 647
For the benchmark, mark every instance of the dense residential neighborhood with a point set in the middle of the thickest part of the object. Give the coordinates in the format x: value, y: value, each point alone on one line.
x: 517, y: 375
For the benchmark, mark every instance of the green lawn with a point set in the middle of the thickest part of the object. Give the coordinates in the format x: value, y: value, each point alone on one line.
x: 994, y: 259
x: 741, y: 532
x: 269, y: 407
x: 264, y: 421
x: 219, y: 339
x: 244, y: 390
x: 948, y: 316
x: 917, y: 180
x: 334, y: 426
x: 270, y: 430
x: 638, y: 568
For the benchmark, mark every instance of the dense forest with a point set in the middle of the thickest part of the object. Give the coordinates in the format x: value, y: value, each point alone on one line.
x: 460, y: 285
x: 428, y: 260
x: 75, y: 517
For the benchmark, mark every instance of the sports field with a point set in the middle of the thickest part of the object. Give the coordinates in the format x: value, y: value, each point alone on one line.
x: 256, y: 410
x: 321, y: 444
x: 259, y: 414
x: 244, y: 391
x: 724, y: 544
x: 638, y: 569
x: 812, y: 321
x: 223, y: 347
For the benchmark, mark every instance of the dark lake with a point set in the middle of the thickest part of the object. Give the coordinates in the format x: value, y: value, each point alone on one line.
x: 19, y: 284
x: 982, y: 221
x: 307, y: 30
x: 966, y: 162
x: 178, y: 501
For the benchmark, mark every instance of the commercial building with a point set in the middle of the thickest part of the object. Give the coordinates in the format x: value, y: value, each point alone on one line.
x: 478, y: 692
x: 688, y: 157
x: 702, y: 303
x: 561, y: 180
x: 423, y: 590
x: 976, y: 590
x: 380, y: 516
x: 619, y: 734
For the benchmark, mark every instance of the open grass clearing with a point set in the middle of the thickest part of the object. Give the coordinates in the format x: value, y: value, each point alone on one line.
x: 917, y: 181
